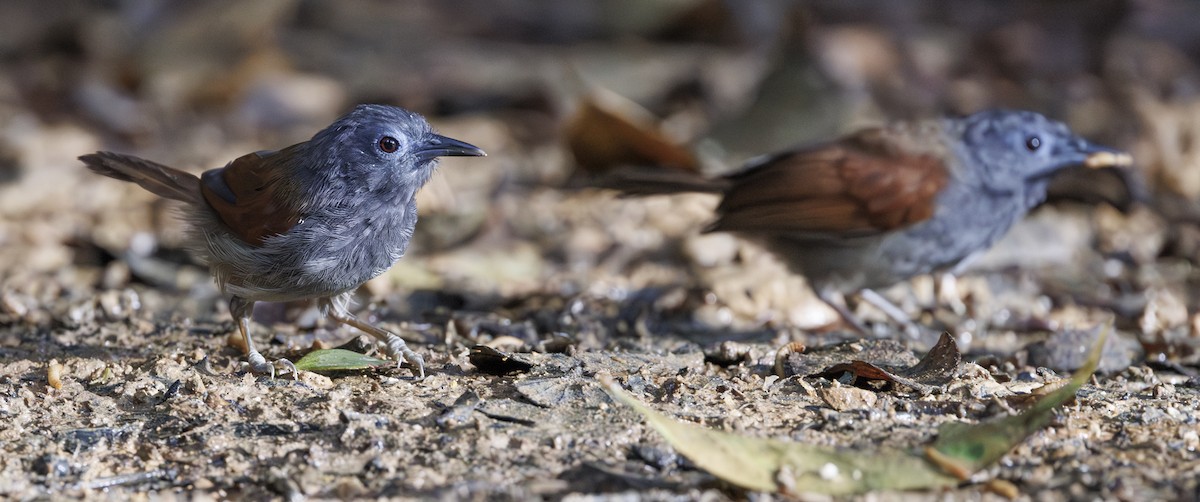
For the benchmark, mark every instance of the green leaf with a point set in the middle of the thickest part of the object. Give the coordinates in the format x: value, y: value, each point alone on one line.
x: 768, y: 465
x: 327, y: 360
x: 962, y: 448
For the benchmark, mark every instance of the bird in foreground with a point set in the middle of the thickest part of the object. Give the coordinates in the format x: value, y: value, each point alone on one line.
x: 314, y: 220
x: 885, y: 204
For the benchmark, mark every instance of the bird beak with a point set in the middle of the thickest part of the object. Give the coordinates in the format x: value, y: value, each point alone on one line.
x: 440, y: 146
x: 1108, y: 158
x: 1096, y: 156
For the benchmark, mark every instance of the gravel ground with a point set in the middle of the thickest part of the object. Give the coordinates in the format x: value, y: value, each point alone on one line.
x: 120, y: 377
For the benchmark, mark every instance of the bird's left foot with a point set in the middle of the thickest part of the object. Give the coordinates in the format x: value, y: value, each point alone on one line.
x: 398, y: 350
x: 260, y: 365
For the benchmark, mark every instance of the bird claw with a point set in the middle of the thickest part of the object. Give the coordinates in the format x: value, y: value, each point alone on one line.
x: 260, y: 366
x: 398, y: 350
x: 913, y: 331
x: 291, y: 368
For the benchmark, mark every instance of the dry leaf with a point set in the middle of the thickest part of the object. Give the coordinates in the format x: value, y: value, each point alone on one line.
x: 610, y: 131
x: 777, y: 466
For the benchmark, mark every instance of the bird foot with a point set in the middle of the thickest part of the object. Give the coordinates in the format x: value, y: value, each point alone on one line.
x: 913, y: 330
x: 259, y: 365
x: 398, y: 350
x: 947, y: 294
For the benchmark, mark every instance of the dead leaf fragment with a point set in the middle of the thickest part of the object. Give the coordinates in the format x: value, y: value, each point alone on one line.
x: 776, y: 466
x: 936, y: 368
x: 496, y: 362
x: 765, y: 465
x: 610, y: 131
x: 962, y: 449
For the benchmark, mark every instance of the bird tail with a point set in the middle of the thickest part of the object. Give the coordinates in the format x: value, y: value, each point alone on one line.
x: 661, y: 182
x: 159, y: 179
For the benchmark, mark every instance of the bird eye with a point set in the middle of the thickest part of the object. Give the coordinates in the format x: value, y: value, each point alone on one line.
x: 388, y: 144
x: 1033, y: 143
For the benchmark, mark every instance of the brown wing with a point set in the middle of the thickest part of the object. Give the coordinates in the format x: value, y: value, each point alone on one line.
x: 861, y: 185
x: 252, y: 196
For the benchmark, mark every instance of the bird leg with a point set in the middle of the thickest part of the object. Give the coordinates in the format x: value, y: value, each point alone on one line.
x: 946, y: 293
x: 892, y: 311
x: 242, y: 309
x: 835, y: 300
x: 338, y: 308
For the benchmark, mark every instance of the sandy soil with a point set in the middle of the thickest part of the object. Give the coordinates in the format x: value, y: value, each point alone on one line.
x: 119, y: 380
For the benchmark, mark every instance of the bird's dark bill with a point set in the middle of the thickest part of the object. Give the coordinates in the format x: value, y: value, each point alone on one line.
x: 442, y: 146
